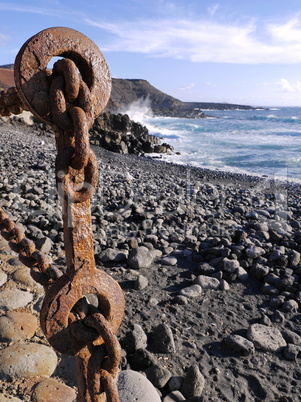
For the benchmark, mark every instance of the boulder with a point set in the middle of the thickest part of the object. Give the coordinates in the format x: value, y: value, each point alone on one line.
x: 118, y: 133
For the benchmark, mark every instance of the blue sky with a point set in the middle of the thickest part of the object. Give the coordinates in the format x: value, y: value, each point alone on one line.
x: 235, y: 51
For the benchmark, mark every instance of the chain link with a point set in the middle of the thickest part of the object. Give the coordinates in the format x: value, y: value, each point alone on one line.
x: 40, y: 271
x: 10, y: 102
x: 75, y: 157
x: 71, y: 108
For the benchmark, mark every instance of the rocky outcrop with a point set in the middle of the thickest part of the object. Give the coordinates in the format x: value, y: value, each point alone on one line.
x: 125, y: 92
x: 115, y: 132
x: 118, y: 133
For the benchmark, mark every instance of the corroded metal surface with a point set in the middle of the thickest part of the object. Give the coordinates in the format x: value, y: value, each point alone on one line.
x: 70, y: 337
x: 32, y: 75
x: 68, y: 98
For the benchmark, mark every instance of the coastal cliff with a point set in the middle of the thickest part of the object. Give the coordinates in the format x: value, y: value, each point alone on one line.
x: 125, y: 92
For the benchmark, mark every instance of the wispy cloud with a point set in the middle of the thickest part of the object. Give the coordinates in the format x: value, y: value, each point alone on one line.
x: 55, y: 9
x: 3, y: 38
x: 285, y: 86
x: 213, y: 9
x: 187, y: 87
x: 26, y: 9
x: 206, y: 41
x: 288, y: 32
x: 210, y: 84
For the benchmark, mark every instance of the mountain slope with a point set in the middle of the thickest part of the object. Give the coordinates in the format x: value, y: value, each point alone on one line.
x: 127, y: 91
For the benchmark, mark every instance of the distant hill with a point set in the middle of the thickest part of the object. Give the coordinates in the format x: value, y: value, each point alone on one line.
x: 127, y: 91
x: 6, y: 77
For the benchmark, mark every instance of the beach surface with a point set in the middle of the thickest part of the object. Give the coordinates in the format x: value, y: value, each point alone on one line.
x: 209, y: 263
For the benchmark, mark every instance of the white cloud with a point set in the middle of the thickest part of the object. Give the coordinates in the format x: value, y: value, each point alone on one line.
x: 210, y: 84
x: 187, y: 87
x: 3, y: 39
x: 206, y: 41
x: 285, y: 86
x: 289, y: 32
x: 55, y: 9
x: 213, y: 9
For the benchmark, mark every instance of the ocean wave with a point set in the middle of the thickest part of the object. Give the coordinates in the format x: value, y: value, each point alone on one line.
x: 263, y: 142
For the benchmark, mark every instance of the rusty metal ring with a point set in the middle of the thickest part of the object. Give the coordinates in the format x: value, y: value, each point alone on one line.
x: 32, y: 75
x: 62, y: 296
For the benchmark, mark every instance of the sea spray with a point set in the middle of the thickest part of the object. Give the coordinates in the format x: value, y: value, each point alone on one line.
x: 261, y: 142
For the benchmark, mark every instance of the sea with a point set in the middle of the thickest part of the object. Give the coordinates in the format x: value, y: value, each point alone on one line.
x: 262, y: 142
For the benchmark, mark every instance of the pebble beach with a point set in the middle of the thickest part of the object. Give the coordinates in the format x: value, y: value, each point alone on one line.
x: 210, y: 266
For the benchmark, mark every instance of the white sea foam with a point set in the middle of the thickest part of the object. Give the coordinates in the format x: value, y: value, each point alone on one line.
x: 139, y: 110
x: 255, y: 142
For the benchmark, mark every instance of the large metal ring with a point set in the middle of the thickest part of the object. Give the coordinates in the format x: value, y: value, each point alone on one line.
x: 62, y: 296
x: 32, y: 74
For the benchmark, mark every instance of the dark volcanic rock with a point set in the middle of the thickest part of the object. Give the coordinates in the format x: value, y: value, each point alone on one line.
x: 211, y: 236
x: 118, y: 133
x: 127, y: 91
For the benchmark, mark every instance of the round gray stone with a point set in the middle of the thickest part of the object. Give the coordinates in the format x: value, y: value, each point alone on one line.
x: 290, y: 306
x: 191, y: 291
x: 224, y: 285
x: 207, y: 282
x: 24, y: 360
x: 169, y: 260
x: 175, y: 383
x: 3, y: 278
x: 22, y: 275
x: 174, y: 396
x: 230, y: 265
x: 240, y: 344
x: 113, y: 255
x: 255, y: 252
x: 4, y: 398
x: 133, y: 386
x: 140, y: 257
x: 291, y: 352
x: 14, y: 298
x: 193, y: 383
x: 141, y: 282
x: 44, y: 244
x: 266, y: 338
x: 163, y: 339
x: 135, y: 339
x: 53, y: 390
x: 242, y: 274
x: 158, y: 375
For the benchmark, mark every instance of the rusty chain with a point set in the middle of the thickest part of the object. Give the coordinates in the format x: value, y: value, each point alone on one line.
x: 10, y: 102
x: 41, y: 271
x: 69, y: 98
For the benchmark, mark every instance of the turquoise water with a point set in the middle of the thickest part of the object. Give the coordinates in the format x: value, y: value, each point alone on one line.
x: 262, y: 142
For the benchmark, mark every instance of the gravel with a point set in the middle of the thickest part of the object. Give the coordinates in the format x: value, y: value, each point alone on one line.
x: 210, y: 258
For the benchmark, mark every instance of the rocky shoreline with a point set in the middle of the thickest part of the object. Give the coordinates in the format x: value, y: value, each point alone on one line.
x: 209, y: 263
